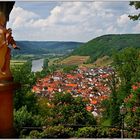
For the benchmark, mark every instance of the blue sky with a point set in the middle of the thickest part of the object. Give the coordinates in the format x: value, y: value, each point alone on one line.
x: 71, y: 21
x: 41, y: 8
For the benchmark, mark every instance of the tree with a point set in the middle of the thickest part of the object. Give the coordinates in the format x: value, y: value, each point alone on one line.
x: 68, y: 69
x: 23, y: 75
x: 67, y: 110
x: 111, y: 105
x: 127, y: 65
x: 22, y: 118
x: 136, y: 4
x: 45, y: 64
x: 127, y: 72
x: 132, y: 102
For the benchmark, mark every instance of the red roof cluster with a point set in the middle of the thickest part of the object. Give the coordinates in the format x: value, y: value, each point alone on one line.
x: 85, y: 82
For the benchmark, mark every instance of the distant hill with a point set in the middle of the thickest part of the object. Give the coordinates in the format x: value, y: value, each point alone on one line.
x: 46, y: 47
x: 106, y: 44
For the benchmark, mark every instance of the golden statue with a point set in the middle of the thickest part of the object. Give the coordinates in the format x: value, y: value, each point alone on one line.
x: 6, y: 39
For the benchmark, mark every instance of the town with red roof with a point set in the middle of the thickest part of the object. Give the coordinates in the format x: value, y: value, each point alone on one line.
x: 89, y: 83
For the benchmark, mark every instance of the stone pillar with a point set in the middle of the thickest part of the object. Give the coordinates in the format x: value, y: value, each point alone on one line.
x: 6, y: 109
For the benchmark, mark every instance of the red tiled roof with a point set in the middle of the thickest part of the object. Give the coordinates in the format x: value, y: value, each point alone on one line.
x: 71, y: 85
x: 94, y: 102
x: 89, y: 108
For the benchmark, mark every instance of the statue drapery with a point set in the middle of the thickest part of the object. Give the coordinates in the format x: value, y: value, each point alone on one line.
x: 6, y: 39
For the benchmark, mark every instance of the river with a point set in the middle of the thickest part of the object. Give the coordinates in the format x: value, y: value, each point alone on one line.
x: 37, y: 65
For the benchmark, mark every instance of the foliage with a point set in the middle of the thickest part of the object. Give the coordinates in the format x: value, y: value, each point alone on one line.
x: 68, y: 69
x: 57, y: 132
x: 87, y: 132
x: 127, y: 65
x: 45, y: 63
x: 132, y: 103
x: 114, y: 109
x: 34, y: 134
x: 105, y: 104
x: 114, y: 133
x: 69, y: 110
x: 127, y: 68
x: 46, y: 71
x: 22, y: 74
x: 45, y: 47
x: 38, y: 120
x: 25, y: 102
x: 102, y: 132
x: 106, y: 44
x: 97, y: 132
x: 136, y: 4
x: 22, y: 118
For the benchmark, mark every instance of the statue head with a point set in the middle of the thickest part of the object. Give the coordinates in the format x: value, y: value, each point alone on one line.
x: 5, y: 8
x: 2, y: 19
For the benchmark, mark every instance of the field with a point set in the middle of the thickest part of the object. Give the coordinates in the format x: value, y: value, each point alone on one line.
x: 75, y: 60
x: 17, y: 62
x: 53, y: 61
x: 103, y: 61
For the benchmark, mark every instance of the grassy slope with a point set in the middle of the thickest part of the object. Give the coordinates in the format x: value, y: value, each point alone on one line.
x: 74, y: 60
x: 105, y: 45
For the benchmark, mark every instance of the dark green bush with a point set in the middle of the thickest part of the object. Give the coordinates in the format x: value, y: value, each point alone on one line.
x: 114, y: 133
x: 34, y: 134
x: 87, y: 132
x: 93, y: 132
x: 22, y: 118
x: 57, y: 132
x: 102, y: 133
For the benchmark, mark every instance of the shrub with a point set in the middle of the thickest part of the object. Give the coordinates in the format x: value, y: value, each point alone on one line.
x: 87, y: 132
x: 57, y: 132
x: 23, y: 133
x: 114, y: 133
x: 102, y: 133
x: 34, y: 134
x: 22, y: 118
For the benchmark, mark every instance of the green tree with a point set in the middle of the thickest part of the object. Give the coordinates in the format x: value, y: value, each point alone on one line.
x: 126, y: 73
x: 113, y: 82
x: 68, y: 110
x: 132, y: 119
x: 57, y: 132
x: 22, y: 118
x: 136, y: 4
x: 68, y: 69
x: 23, y: 96
x: 45, y: 64
x: 127, y: 65
x: 111, y: 105
x: 23, y: 75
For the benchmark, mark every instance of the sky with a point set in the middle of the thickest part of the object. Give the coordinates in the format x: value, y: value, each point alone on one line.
x: 71, y: 21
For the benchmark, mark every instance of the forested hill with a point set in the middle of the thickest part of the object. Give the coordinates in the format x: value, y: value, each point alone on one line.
x: 45, y: 47
x: 106, y: 44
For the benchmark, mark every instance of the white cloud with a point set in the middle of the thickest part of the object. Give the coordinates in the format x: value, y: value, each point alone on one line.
x: 20, y: 17
x: 111, y: 30
x: 137, y: 28
x: 123, y: 20
x: 78, y: 21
